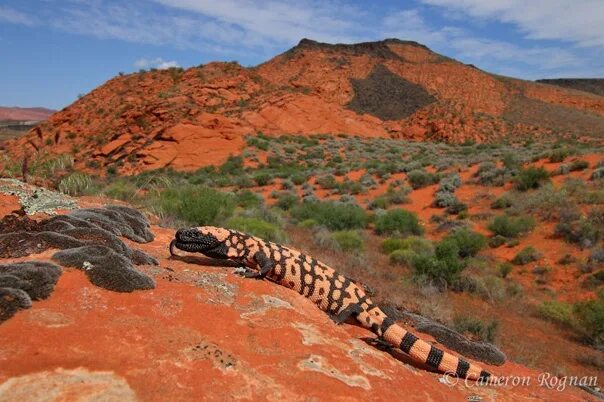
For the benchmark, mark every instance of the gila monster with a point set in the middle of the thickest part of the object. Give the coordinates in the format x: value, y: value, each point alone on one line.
x: 333, y: 293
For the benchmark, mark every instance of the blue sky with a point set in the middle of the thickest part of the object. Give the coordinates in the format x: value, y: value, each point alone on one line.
x: 53, y: 50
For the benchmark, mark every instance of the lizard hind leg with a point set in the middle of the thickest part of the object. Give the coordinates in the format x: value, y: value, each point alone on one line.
x: 350, y: 311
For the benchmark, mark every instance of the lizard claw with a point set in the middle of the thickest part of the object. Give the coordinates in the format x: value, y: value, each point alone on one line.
x: 247, y: 272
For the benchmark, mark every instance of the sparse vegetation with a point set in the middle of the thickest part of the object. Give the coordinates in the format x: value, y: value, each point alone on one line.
x: 398, y: 221
x: 507, y: 226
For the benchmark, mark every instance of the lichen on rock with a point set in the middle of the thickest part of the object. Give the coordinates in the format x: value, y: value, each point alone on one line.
x: 22, y: 282
x: 105, y: 268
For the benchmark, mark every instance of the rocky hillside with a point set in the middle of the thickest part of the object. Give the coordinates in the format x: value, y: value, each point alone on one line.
x: 190, y: 118
x: 24, y: 113
x: 592, y: 85
x: 111, y: 316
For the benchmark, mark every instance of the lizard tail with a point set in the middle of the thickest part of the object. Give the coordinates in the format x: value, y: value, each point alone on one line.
x: 421, y: 351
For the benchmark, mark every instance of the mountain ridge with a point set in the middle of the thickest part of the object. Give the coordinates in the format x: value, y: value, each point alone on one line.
x: 186, y: 119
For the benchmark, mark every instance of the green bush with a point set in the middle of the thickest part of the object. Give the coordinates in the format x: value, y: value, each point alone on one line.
x: 505, y: 268
x: 468, y: 242
x: 531, y: 178
x: 419, y: 178
x: 256, y: 227
x: 556, y: 311
x: 331, y: 214
x: 287, y: 201
x: 197, y: 205
x: 233, y: 166
x: 506, y: 226
x: 416, y: 244
x: 248, y: 199
x: 501, y: 203
x: 526, y: 255
x: 497, y: 241
x: 590, y: 318
x: 402, y: 257
x: 558, y: 155
x: 348, y: 240
x: 398, y: 221
x: 443, y: 268
x: 327, y: 182
x: 262, y: 178
x: 583, y: 230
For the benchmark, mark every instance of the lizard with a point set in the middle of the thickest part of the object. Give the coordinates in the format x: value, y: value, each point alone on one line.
x: 337, y: 295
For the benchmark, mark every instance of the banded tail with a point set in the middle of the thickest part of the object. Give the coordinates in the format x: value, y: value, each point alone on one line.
x: 418, y: 349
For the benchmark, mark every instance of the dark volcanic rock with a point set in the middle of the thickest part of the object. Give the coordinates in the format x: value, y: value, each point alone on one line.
x: 388, y: 96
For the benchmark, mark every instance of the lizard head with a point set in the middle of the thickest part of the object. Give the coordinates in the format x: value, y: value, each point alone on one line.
x: 199, y: 239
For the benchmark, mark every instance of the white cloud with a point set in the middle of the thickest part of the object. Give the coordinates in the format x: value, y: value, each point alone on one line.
x: 577, y: 21
x: 15, y: 17
x: 158, y: 63
x: 494, y: 55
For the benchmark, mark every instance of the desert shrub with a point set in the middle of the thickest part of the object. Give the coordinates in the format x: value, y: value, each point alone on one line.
x: 567, y: 259
x: 299, y: 178
x: 420, y: 178
x: 505, y: 268
x: 507, y: 226
x: 331, y: 214
x: 483, y: 331
x: 559, y: 155
x: 286, y: 201
x: 243, y: 181
x: 76, y: 183
x: 263, y: 178
x: 248, y: 199
x: 232, y: 166
x: 443, y: 268
x: 497, y: 241
x: 579, y: 229
x: 444, y: 199
x: 381, y: 202
x: 256, y: 227
x: 398, y: 221
x: 414, y: 244
x: 308, y: 223
x: 287, y: 184
x: 556, y: 311
x: 531, y: 178
x: 578, y: 165
x: 327, y: 182
x: 597, y: 174
x: 348, y: 240
x: 590, y: 318
x: 468, y: 242
x: 501, y: 203
x: 488, y: 174
x: 561, y: 170
x: 526, y: 255
x: 197, y: 205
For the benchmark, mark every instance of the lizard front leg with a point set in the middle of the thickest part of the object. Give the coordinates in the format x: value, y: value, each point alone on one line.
x: 349, y: 311
x: 264, y: 263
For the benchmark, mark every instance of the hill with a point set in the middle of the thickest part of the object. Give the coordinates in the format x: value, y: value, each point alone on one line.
x: 592, y: 85
x: 392, y: 88
x: 24, y: 113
